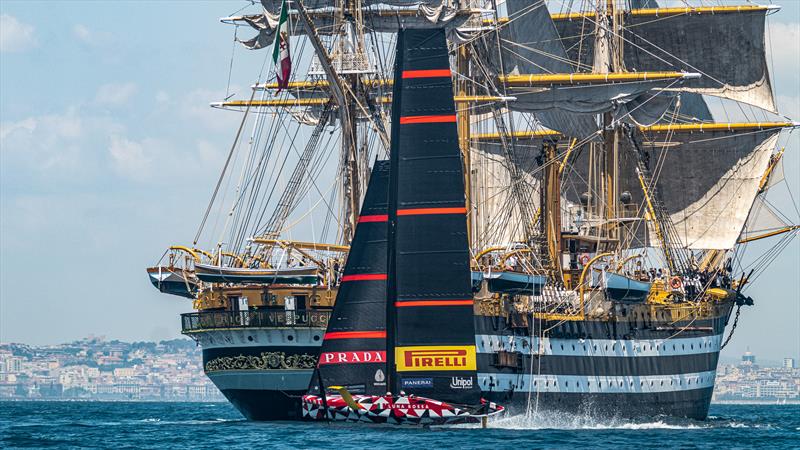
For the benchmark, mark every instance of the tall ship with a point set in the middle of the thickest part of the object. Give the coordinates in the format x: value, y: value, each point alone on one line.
x: 594, y: 239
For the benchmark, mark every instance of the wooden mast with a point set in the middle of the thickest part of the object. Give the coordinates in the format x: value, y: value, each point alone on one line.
x: 462, y: 88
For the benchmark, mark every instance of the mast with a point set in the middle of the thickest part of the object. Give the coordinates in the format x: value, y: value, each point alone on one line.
x: 608, y: 57
x: 552, y: 206
x: 462, y: 86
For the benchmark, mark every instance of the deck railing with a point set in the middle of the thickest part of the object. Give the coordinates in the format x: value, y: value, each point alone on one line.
x: 210, y: 320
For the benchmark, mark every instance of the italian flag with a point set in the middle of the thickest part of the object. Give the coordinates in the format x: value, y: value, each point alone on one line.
x: 280, y: 51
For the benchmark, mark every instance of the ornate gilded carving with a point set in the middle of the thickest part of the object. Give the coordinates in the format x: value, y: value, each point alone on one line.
x: 266, y: 361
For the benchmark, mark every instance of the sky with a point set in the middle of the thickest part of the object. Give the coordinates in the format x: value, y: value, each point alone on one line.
x: 109, y: 152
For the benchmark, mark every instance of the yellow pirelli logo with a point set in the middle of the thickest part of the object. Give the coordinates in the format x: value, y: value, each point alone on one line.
x: 415, y: 359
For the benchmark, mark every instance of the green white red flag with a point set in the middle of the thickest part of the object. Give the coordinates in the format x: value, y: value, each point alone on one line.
x: 280, y: 51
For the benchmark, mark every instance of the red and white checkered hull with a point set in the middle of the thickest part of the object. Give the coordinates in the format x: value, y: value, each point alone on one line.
x: 401, y: 410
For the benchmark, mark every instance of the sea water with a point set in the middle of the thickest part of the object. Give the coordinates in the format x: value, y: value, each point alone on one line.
x: 219, y: 425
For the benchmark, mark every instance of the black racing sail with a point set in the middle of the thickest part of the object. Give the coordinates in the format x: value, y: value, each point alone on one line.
x: 353, y: 353
x: 431, y: 332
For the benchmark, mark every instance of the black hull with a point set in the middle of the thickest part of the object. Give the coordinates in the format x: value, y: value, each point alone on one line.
x: 264, y: 405
x: 691, y: 404
x: 636, y: 367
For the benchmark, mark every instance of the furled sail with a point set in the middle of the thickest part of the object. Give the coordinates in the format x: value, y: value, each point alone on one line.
x: 726, y: 47
x: 383, y: 20
x: 353, y: 351
x: 275, y: 5
x: 429, y: 272
x: 666, y: 107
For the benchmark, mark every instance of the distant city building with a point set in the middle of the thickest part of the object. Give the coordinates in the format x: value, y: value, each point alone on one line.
x: 109, y: 370
x: 789, y: 363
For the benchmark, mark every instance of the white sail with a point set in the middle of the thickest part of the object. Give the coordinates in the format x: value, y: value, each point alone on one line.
x: 717, y: 214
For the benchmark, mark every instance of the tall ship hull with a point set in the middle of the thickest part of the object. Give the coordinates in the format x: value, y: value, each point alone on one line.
x: 501, y: 205
x: 640, y: 365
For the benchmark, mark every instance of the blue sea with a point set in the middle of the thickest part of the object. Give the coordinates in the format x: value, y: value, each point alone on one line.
x: 219, y: 426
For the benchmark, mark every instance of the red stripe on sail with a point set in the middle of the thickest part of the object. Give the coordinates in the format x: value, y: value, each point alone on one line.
x: 374, y: 218
x: 429, y: 211
x: 427, y: 119
x: 356, y: 335
x: 434, y: 303
x: 434, y: 73
x: 364, y: 277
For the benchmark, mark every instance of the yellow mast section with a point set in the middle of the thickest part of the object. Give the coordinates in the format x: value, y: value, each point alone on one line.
x: 303, y: 245
x: 663, y: 12
x: 531, y: 80
x: 680, y: 128
x: 323, y: 101
x: 527, y: 80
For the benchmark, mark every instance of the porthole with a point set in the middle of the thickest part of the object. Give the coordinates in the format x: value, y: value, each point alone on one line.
x: 620, y: 384
x: 316, y: 338
x: 651, y: 383
x: 566, y: 383
x: 662, y: 382
x: 673, y: 346
x: 547, y: 383
x: 641, y: 383
x: 535, y: 382
x: 595, y: 347
x: 606, y: 347
x: 250, y: 338
x: 683, y: 346
x: 290, y: 337
x: 671, y: 382
x: 631, y: 384
x: 562, y: 346
x: 573, y: 347
x: 692, y: 346
x: 690, y: 381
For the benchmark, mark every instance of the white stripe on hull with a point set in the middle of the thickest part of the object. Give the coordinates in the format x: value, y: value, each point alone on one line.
x: 260, y: 337
x: 596, y: 384
x: 491, y: 343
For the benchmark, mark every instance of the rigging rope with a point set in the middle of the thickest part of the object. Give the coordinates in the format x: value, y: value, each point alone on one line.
x: 224, y: 169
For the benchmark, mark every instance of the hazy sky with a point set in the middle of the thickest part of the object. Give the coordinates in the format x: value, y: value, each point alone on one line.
x: 109, y: 151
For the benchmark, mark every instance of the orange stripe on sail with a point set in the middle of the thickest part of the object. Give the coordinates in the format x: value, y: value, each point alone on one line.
x: 434, y: 303
x: 428, y: 211
x: 427, y: 119
x: 356, y: 335
x: 364, y: 277
x: 434, y: 73
x: 374, y: 218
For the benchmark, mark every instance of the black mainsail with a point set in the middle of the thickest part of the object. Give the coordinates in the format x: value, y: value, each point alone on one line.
x: 430, y: 305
